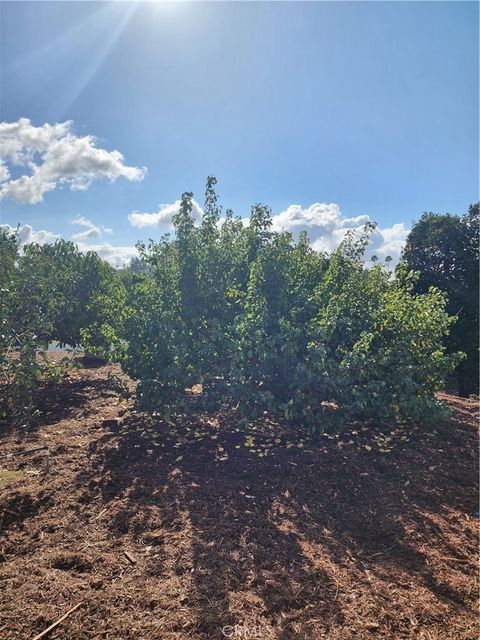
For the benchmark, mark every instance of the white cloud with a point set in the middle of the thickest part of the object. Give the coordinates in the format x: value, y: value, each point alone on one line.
x: 324, y: 223
x: 163, y: 217
x: 54, y: 155
x: 92, y: 230
x: 391, y: 241
x: 326, y: 228
x: 26, y: 234
x: 117, y: 256
x: 4, y: 172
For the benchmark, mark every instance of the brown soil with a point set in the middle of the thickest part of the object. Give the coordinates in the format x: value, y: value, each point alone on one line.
x: 165, y: 533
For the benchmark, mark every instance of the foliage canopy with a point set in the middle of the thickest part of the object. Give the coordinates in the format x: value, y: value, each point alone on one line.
x: 50, y: 293
x: 256, y: 318
x: 272, y: 325
x: 444, y: 249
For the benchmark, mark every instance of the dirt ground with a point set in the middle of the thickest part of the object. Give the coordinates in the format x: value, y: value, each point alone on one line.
x: 204, y: 532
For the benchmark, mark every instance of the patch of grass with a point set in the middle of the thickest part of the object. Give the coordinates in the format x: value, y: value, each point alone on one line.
x: 7, y: 476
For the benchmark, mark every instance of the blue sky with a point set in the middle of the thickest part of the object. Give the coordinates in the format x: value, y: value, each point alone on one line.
x: 372, y: 106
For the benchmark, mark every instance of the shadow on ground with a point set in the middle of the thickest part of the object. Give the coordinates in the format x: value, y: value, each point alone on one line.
x: 302, y: 542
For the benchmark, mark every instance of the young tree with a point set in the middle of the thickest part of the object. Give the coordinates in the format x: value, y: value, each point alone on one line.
x: 83, y: 296
x: 25, y: 328
x: 50, y: 293
x: 275, y: 326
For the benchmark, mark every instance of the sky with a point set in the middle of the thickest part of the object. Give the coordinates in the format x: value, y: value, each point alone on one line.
x: 333, y: 113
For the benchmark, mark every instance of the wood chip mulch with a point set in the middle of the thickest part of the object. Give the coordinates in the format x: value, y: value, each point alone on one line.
x: 203, y: 531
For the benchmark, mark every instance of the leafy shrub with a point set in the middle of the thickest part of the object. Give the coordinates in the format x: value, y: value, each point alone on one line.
x: 83, y: 295
x: 272, y: 325
x: 51, y: 293
x: 24, y: 335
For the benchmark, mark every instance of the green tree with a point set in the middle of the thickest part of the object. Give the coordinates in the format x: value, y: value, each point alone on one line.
x: 83, y: 296
x: 25, y: 328
x: 272, y: 325
x: 444, y: 249
x: 51, y: 293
